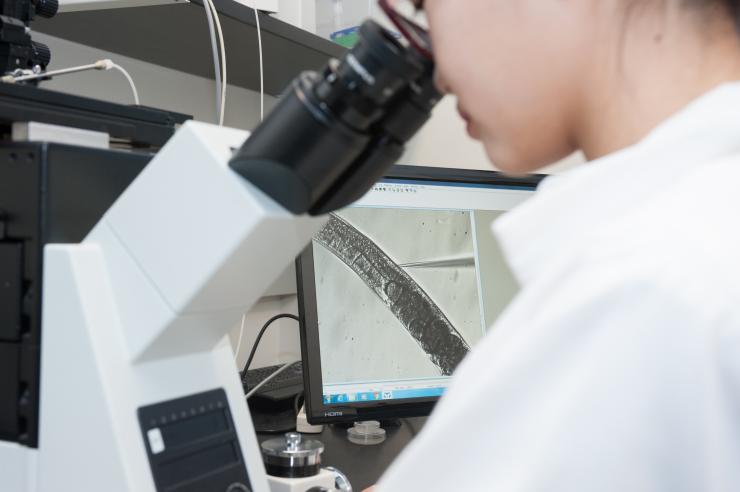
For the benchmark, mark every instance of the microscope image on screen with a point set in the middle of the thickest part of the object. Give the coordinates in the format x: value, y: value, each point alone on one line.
x: 398, y: 292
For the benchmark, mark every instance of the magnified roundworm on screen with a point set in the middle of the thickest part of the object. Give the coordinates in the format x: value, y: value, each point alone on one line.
x: 408, y: 302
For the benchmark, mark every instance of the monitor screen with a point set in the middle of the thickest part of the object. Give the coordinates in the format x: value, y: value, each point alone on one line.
x: 397, y: 289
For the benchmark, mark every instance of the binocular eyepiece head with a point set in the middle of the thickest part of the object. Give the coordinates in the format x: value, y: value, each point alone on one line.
x: 337, y: 131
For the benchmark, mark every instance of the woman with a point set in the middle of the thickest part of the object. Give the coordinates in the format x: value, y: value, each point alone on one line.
x: 617, y: 367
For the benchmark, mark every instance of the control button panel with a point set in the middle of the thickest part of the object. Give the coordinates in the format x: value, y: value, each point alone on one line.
x: 192, y: 444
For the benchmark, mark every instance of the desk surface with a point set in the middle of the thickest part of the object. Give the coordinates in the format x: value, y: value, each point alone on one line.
x: 363, y: 465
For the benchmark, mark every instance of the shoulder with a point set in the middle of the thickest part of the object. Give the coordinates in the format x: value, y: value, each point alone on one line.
x: 683, y: 244
x: 676, y: 260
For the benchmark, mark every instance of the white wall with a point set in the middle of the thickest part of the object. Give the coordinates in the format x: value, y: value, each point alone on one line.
x: 301, y: 13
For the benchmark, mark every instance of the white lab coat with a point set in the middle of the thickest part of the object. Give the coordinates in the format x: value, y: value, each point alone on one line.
x: 617, y: 367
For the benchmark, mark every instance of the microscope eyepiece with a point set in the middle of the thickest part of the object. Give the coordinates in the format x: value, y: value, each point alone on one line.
x: 336, y: 132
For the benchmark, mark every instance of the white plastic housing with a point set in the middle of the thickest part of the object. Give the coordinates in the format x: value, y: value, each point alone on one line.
x: 139, y: 313
x: 190, y: 245
x: 324, y: 479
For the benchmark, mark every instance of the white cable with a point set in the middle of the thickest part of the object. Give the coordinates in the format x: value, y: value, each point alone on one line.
x: 267, y: 380
x: 130, y: 81
x: 223, y: 60
x: 216, y: 57
x: 262, y: 72
x: 104, y: 64
x: 216, y: 18
x: 241, y: 334
x: 62, y: 71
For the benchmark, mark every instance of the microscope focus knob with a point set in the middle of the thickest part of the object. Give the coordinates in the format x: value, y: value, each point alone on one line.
x: 341, y: 482
x: 41, y: 54
x: 47, y: 8
x: 291, y: 456
x: 292, y: 441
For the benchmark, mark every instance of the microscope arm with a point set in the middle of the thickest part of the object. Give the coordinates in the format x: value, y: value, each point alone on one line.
x: 191, y: 245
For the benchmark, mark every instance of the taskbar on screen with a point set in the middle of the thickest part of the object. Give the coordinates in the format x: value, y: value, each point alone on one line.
x: 368, y: 396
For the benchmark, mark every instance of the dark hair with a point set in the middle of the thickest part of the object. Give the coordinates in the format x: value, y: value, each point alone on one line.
x: 732, y: 7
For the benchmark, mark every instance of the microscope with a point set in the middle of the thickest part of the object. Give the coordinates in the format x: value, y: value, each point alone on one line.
x: 18, y: 52
x: 139, y: 388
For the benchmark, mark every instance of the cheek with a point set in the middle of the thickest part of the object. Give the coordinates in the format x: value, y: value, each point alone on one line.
x: 515, y: 111
x: 524, y: 123
x: 512, y: 69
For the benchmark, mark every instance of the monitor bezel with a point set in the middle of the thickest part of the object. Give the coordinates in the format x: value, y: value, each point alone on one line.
x: 316, y: 411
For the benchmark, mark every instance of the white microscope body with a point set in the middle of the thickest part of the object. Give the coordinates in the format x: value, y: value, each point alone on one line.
x: 139, y: 389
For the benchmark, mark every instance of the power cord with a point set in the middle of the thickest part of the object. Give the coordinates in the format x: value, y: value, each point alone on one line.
x: 241, y: 335
x: 130, y: 80
x: 269, y: 378
x: 215, y: 56
x: 217, y: 45
x: 262, y: 117
x: 219, y: 63
x: 105, y: 64
x: 259, y: 338
x: 262, y: 72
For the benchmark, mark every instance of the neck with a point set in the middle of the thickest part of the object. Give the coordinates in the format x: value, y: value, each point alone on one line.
x: 659, y: 67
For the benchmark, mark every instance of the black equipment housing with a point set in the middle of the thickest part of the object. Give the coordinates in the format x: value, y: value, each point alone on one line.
x: 137, y: 127
x: 203, y: 450
x: 49, y: 193
x: 17, y: 50
x: 54, y: 193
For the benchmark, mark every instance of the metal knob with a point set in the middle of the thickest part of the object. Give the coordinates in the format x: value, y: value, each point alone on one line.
x: 41, y: 54
x: 291, y: 456
x: 341, y: 482
x: 293, y: 441
x: 47, y: 8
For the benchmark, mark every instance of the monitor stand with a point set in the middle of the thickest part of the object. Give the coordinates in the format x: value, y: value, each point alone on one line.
x: 272, y: 415
x: 366, y: 433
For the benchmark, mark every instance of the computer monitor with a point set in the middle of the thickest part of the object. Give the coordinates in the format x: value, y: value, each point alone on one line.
x: 395, y: 290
